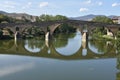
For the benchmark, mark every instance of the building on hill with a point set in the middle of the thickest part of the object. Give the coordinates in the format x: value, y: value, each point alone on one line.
x: 116, y: 19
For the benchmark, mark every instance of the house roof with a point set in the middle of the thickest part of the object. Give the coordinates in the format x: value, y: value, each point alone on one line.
x: 116, y: 18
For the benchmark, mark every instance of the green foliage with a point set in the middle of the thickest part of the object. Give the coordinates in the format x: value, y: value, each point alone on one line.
x: 65, y: 28
x: 37, y: 19
x: 99, y: 31
x: 118, y: 34
x: 6, y: 19
x: 99, y: 44
x: 35, y: 43
x: 32, y: 32
x: 102, y: 19
x: 3, y: 18
x: 1, y: 33
x: 118, y: 45
x: 60, y: 17
x: 62, y: 39
x: 44, y: 17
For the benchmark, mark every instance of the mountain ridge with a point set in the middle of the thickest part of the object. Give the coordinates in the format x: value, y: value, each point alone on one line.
x: 19, y: 15
x: 88, y: 17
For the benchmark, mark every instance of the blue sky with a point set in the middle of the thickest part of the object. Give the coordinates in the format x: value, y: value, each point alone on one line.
x: 70, y: 8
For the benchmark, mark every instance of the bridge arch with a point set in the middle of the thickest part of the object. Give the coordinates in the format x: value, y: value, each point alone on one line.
x: 17, y: 29
x: 11, y: 29
x: 53, y: 27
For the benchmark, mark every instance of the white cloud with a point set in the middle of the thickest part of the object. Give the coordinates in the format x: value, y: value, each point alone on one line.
x: 115, y: 4
x: 100, y: 3
x: 91, y: 3
x: 8, y: 4
x: 88, y: 2
x: 27, y: 5
x: 43, y: 4
x: 83, y: 9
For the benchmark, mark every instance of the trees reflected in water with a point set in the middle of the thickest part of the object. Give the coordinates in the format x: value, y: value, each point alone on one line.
x: 34, y: 45
x: 61, y: 40
x: 69, y: 44
x: 101, y: 46
x: 65, y: 44
x: 6, y: 44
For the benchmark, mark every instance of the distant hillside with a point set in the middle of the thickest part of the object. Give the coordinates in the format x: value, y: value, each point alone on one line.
x: 20, y: 16
x: 89, y: 17
x: 2, y: 12
x: 32, y: 18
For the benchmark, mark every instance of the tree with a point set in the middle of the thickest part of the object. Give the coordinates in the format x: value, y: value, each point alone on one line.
x: 46, y: 17
x: 5, y: 19
x: 60, y: 17
x: 37, y: 19
x: 118, y: 34
x: 102, y: 19
x: 65, y: 28
x: 1, y: 33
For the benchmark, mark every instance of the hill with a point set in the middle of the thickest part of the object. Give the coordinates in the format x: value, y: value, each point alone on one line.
x: 89, y: 17
x: 20, y: 16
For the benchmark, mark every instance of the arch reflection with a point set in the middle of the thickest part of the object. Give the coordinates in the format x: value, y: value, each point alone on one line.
x: 100, y: 46
x: 50, y: 49
x: 33, y: 45
x: 94, y: 49
x: 68, y: 45
x: 6, y: 44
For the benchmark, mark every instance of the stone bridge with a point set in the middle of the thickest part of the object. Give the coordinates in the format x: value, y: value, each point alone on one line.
x: 52, y: 25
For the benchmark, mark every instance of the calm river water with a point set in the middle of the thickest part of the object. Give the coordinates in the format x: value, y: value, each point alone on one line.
x: 64, y: 58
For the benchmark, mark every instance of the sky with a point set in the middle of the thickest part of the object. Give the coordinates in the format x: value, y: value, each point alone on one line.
x: 69, y: 8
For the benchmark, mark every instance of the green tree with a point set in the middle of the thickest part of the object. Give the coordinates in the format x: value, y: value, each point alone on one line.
x: 42, y: 17
x: 102, y: 19
x: 60, y: 17
x: 1, y: 33
x: 46, y: 17
x: 118, y: 34
x: 37, y: 19
x: 4, y: 18
x: 65, y: 28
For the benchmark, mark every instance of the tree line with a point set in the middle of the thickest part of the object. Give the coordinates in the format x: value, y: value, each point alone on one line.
x: 47, y: 17
x: 43, y: 17
x: 102, y: 19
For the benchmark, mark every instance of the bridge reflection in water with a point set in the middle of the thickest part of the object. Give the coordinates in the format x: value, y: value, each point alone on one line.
x: 66, y: 47
x: 79, y: 60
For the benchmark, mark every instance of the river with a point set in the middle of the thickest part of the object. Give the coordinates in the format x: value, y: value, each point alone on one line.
x: 66, y: 57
